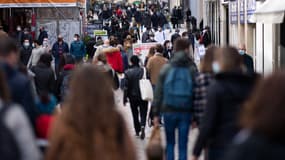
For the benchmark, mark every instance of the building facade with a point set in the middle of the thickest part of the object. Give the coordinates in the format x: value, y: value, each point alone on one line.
x: 57, y: 16
x: 233, y: 22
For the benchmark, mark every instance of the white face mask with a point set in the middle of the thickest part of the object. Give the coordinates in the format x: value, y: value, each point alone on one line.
x: 216, y: 67
x: 75, y: 39
x: 45, y: 43
x: 152, y: 38
x: 26, y: 44
x: 18, y: 28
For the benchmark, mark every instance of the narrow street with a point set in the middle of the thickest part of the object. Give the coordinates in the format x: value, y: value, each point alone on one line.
x: 141, y: 144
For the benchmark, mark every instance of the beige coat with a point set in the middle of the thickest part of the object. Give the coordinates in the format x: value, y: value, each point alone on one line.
x: 154, y: 66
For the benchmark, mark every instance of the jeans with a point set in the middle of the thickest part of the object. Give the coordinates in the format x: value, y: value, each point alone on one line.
x: 180, y: 121
x: 139, y: 107
x: 216, y: 154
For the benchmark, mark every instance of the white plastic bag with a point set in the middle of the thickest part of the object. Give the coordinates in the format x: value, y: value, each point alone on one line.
x: 146, y: 88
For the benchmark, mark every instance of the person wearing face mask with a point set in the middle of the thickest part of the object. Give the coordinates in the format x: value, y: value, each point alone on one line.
x: 43, y: 35
x: 167, y: 53
x: 26, y: 51
x: 151, y: 38
x: 77, y: 48
x: 247, y: 59
x: 226, y: 94
x: 58, y: 49
x: 159, y: 35
x: 46, y: 45
x: 28, y: 36
x: 37, y: 51
x: 145, y: 35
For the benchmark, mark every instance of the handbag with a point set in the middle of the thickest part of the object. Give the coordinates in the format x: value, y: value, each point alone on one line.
x: 145, y: 88
x: 154, y: 149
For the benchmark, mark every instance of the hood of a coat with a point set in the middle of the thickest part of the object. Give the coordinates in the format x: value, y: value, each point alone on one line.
x: 181, y: 59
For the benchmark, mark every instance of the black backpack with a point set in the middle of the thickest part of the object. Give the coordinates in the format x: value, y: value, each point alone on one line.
x: 9, y: 149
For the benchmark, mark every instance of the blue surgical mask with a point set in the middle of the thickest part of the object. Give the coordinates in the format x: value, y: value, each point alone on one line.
x: 216, y: 67
x: 241, y: 52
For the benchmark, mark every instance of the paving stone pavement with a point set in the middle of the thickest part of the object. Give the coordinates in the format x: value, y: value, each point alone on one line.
x: 141, y: 144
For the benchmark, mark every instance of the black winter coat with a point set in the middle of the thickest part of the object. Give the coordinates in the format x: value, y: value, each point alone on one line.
x: 44, y: 78
x: 226, y: 94
x: 132, y: 78
x: 256, y: 147
x: 42, y: 36
x: 25, y: 55
x: 248, y: 62
x: 154, y: 20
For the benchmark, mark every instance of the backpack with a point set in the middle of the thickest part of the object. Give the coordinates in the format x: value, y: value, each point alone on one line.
x: 8, y: 145
x: 178, y: 88
x: 65, y: 85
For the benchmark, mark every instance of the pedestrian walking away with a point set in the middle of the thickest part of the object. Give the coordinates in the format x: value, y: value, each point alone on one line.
x: 132, y: 93
x: 225, y: 97
x: 173, y: 98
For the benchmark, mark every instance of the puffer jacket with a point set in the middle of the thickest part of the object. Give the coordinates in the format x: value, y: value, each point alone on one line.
x: 114, y: 58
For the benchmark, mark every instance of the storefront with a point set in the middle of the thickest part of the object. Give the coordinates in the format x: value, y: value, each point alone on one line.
x: 270, y: 35
x: 241, y: 29
x: 57, y: 16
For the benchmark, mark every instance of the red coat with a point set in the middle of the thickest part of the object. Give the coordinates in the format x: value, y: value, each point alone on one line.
x: 119, y: 12
x: 114, y: 59
x: 43, y: 124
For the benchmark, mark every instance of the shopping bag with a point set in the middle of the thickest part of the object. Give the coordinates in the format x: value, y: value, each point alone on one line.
x: 146, y: 88
x: 154, y: 148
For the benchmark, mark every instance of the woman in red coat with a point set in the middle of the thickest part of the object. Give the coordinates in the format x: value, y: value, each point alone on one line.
x: 114, y: 57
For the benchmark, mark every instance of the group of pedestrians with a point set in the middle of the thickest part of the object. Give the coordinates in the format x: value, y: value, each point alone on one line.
x: 55, y: 95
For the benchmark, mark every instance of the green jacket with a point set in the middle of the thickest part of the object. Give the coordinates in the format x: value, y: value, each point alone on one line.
x: 179, y: 59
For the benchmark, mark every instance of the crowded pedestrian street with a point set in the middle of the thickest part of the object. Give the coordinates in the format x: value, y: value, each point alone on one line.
x: 142, y: 144
x: 142, y: 80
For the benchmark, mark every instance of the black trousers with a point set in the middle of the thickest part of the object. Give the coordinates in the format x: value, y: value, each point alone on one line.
x: 139, y: 108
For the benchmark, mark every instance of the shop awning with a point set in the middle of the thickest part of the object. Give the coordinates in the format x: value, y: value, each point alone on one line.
x: 271, y: 11
x: 40, y: 3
